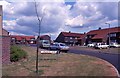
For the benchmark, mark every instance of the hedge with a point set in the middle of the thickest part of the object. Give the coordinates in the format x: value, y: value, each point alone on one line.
x: 16, y: 53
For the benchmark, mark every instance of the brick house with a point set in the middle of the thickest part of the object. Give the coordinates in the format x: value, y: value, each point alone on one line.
x: 20, y: 39
x: 70, y: 38
x: 45, y: 37
x: 103, y: 35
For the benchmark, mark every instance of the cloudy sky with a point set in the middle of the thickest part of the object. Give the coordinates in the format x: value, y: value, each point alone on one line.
x: 59, y: 15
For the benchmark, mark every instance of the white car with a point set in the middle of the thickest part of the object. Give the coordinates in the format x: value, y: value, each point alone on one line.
x: 101, y: 45
x: 116, y: 45
x: 59, y: 46
x: 91, y: 45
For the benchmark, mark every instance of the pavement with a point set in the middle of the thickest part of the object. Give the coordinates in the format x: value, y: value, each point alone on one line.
x: 111, y: 58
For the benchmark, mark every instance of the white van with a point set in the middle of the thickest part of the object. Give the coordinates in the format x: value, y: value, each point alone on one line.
x: 44, y: 43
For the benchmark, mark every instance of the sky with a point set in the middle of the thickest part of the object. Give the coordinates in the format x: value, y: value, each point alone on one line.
x: 19, y: 17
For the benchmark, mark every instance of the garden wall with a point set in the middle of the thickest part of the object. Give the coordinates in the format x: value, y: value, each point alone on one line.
x: 5, y: 49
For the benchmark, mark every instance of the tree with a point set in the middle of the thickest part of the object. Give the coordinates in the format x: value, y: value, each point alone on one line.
x: 38, y: 38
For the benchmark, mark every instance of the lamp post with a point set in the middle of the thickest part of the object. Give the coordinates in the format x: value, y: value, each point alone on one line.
x: 109, y: 31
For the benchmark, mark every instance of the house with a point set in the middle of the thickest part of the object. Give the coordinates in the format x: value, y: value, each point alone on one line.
x: 22, y: 39
x: 104, y: 35
x: 70, y: 38
x: 45, y: 37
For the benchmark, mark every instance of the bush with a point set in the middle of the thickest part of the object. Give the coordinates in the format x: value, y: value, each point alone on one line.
x: 16, y: 53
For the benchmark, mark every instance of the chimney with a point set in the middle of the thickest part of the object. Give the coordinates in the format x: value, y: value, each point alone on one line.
x: 69, y: 31
x: 84, y: 32
x: 99, y: 28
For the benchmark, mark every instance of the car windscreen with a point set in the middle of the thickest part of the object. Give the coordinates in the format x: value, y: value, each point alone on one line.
x: 46, y: 42
x: 62, y: 45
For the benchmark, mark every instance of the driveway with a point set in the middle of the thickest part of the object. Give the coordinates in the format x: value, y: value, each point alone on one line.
x: 112, y: 58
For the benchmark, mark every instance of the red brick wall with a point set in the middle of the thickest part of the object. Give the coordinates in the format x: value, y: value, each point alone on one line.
x: 5, y: 49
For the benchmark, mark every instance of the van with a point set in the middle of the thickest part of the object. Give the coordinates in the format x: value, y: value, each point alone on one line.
x: 44, y: 43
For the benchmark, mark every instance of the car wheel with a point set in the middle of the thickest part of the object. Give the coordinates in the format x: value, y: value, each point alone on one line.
x: 66, y: 51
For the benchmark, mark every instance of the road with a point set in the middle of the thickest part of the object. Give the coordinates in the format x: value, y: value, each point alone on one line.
x: 111, y: 58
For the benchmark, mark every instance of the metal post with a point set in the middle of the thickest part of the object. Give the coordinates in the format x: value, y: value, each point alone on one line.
x: 108, y: 33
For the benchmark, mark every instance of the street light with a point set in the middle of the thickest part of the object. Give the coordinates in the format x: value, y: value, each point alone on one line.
x: 109, y: 31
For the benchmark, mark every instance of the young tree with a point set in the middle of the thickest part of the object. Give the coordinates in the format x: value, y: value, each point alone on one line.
x: 38, y: 38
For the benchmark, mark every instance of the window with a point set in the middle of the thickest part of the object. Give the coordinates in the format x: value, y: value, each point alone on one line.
x: 113, y: 40
x: 13, y: 38
x: 66, y: 37
x: 66, y: 41
x: 23, y: 40
x: 32, y: 39
x: 113, y: 35
x: 76, y: 38
x: 62, y: 44
x: 90, y: 36
x: 70, y: 37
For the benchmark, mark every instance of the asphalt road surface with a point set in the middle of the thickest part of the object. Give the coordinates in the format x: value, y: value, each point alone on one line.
x: 111, y: 58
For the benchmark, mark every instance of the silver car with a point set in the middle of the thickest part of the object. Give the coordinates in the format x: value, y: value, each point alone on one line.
x: 59, y: 46
x: 116, y: 45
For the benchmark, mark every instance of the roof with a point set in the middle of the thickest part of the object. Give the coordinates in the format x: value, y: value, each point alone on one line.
x: 103, y: 32
x: 44, y: 36
x: 5, y: 32
x: 69, y: 34
x: 20, y: 37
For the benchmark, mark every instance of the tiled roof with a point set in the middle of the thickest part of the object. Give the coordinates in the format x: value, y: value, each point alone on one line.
x: 69, y: 34
x: 43, y: 36
x: 5, y: 32
x: 20, y: 37
x: 29, y: 37
x: 103, y: 32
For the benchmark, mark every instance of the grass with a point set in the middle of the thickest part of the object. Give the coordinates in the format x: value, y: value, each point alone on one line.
x: 64, y: 64
x: 16, y: 53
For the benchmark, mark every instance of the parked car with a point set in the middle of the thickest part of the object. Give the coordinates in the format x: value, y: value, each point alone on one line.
x: 101, y: 45
x: 44, y: 43
x: 59, y: 46
x: 116, y: 45
x: 91, y: 45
